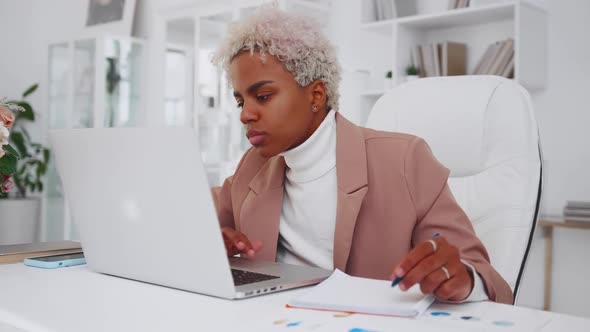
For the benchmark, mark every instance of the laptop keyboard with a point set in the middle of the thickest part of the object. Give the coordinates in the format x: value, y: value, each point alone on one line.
x: 242, y: 277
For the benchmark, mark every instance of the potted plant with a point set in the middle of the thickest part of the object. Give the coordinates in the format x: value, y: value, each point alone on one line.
x: 388, y: 83
x: 412, y: 73
x: 22, y: 167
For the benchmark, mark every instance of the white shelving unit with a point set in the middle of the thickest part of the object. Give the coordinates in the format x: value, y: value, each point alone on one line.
x: 476, y: 27
x: 93, y: 83
x: 373, y: 93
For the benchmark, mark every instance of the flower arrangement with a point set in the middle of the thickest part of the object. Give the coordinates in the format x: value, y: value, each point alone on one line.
x: 8, y: 155
x: 22, y: 162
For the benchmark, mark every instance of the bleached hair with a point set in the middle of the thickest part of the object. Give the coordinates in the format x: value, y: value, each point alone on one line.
x: 295, y: 40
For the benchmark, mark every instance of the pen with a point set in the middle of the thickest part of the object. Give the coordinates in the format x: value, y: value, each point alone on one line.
x: 397, y: 280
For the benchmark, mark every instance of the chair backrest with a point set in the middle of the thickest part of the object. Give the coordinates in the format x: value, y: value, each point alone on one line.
x: 483, y: 129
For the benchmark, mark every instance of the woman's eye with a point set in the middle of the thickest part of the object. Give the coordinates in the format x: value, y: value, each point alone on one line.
x: 262, y: 97
x: 240, y: 104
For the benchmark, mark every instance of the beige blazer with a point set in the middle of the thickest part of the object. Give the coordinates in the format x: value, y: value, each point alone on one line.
x: 392, y: 195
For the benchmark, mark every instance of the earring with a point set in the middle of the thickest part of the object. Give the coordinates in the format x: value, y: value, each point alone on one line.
x: 314, y: 108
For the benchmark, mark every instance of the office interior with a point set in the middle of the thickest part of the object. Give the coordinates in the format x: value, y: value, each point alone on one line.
x: 151, y: 69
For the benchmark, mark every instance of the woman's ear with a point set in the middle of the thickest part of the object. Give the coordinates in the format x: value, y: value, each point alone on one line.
x: 319, y: 96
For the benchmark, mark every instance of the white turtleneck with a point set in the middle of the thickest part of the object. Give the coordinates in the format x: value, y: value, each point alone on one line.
x: 308, y: 216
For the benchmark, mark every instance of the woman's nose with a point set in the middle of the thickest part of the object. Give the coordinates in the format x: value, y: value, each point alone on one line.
x: 248, y: 114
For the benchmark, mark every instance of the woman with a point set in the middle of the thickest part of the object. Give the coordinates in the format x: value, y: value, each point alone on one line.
x: 316, y: 189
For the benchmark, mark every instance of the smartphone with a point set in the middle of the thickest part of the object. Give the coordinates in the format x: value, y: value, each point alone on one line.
x: 55, y: 261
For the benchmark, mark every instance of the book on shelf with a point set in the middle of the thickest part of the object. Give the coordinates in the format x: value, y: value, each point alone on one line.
x: 435, y: 48
x: 576, y: 219
x: 498, y: 59
x: 509, y: 70
x: 440, y: 59
x: 427, y: 65
x: 456, y: 4
x: 405, y: 8
x: 384, y: 9
x: 578, y: 204
x: 486, y: 55
x: 483, y: 3
x: 453, y: 58
x: 573, y: 212
x: 416, y: 56
x: 501, y: 60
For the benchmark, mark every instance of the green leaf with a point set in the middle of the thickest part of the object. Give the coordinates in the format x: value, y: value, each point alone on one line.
x: 28, y: 114
x: 8, y: 164
x: 42, y: 169
x: 46, y: 156
x: 30, y: 90
x: 19, y: 142
x: 18, y: 182
x: 40, y: 185
x: 12, y: 151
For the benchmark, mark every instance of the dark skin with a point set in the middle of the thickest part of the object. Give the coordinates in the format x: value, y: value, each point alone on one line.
x: 279, y: 115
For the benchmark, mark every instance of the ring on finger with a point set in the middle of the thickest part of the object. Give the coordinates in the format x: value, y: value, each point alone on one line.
x: 446, y: 271
x: 434, y: 247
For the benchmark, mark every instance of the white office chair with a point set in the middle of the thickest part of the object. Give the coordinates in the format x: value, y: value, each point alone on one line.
x: 483, y: 129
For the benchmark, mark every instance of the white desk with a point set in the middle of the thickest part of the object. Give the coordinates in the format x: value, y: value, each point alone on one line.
x: 76, y: 299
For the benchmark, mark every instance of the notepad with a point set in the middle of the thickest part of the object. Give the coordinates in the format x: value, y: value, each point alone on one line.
x: 341, y: 292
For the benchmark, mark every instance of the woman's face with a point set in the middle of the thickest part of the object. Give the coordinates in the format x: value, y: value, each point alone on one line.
x: 276, y: 111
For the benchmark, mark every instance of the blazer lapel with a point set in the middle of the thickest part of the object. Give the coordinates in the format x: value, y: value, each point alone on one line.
x: 261, y: 211
x: 351, y: 173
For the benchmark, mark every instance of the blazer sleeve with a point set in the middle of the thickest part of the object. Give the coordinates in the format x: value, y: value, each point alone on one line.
x: 438, y: 211
x: 224, y: 206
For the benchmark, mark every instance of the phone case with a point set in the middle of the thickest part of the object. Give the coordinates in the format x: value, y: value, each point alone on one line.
x: 56, y: 264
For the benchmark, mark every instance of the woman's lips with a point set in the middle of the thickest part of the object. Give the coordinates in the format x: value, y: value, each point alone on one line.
x: 256, y: 140
x: 255, y: 137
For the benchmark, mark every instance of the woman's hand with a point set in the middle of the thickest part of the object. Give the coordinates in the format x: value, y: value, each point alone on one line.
x: 237, y: 243
x: 437, y: 267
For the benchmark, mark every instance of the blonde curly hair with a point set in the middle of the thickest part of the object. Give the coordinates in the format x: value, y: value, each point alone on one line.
x: 295, y: 40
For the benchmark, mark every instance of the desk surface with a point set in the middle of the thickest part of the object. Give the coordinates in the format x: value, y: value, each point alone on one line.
x: 77, y: 299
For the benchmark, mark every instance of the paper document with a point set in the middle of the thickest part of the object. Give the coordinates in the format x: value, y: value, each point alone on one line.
x: 341, y: 292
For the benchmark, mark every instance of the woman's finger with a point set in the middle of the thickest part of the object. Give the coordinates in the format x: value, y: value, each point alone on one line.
x: 417, y: 254
x: 448, y: 289
x: 436, y: 278
x: 424, y: 268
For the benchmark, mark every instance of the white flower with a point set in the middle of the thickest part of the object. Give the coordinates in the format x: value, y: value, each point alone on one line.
x: 4, y: 134
x: 12, y: 107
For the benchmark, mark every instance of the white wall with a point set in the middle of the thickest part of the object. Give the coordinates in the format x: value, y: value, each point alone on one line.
x: 563, y: 112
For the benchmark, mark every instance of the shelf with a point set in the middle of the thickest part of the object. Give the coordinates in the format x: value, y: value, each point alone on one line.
x: 383, y: 27
x: 459, y: 17
x: 446, y: 19
x: 311, y: 5
x: 373, y: 93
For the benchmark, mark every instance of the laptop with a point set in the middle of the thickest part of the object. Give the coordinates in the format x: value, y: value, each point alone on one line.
x: 144, y: 211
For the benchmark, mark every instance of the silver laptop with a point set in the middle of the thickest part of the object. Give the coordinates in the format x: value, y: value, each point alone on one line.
x: 144, y: 210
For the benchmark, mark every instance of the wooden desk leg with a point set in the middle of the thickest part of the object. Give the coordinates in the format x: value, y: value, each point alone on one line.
x: 548, y: 266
